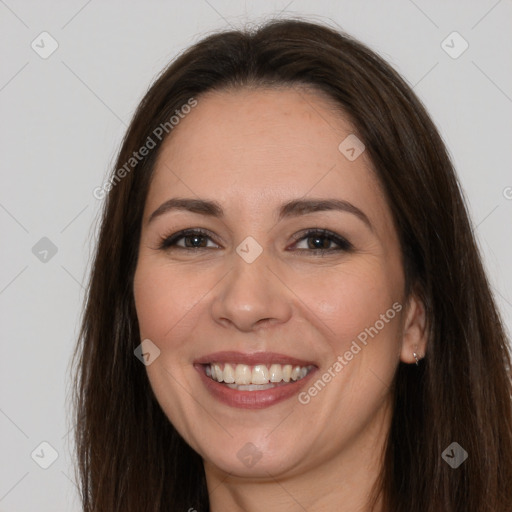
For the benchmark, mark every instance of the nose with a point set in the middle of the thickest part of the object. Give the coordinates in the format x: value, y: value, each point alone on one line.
x: 251, y: 296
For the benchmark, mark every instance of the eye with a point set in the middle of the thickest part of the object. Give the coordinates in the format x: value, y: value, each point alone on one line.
x: 314, y: 240
x: 321, y: 240
x: 188, y: 239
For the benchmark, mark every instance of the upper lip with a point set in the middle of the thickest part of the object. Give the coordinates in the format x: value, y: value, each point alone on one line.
x: 252, y: 358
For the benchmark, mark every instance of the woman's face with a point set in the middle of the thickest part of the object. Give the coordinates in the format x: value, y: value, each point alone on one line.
x: 291, y: 272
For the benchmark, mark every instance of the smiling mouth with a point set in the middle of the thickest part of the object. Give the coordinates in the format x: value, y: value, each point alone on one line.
x: 258, y: 377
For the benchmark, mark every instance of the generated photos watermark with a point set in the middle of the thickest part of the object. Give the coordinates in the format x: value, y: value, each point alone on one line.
x: 158, y: 134
x: 343, y: 360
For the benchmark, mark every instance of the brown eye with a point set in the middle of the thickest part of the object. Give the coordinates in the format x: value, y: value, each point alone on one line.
x: 323, y: 241
x: 188, y: 239
x: 194, y: 241
x: 319, y: 242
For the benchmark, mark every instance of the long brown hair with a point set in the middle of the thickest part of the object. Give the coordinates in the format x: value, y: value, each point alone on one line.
x: 130, y: 457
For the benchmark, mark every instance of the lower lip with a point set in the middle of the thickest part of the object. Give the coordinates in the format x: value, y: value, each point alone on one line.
x: 251, y: 399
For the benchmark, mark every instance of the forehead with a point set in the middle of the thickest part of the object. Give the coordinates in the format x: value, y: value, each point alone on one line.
x: 254, y: 148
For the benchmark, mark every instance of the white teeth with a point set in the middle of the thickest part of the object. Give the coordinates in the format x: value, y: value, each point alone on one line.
x: 242, y: 376
x: 276, y: 373
x: 250, y: 387
x: 287, y: 372
x: 217, y: 372
x: 295, y: 373
x: 260, y: 374
x: 228, y: 374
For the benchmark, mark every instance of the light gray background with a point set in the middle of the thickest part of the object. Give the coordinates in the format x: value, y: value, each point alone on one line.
x: 62, y: 121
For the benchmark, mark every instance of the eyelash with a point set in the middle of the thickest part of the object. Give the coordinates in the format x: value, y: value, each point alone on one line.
x: 169, y: 241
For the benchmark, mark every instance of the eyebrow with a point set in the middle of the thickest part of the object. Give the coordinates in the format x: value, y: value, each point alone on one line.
x: 292, y: 208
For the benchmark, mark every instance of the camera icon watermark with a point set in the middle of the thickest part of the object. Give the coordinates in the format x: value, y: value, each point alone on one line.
x: 249, y: 249
x: 44, y: 45
x: 44, y: 250
x: 454, y: 45
x: 351, y: 147
x: 249, y: 455
x: 454, y: 455
x: 147, y: 352
x: 44, y: 455
x: 507, y: 193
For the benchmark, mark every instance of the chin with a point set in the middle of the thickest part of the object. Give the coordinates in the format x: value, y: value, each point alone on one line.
x: 251, y: 462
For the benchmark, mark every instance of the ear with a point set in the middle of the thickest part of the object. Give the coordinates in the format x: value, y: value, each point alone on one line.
x: 414, y: 334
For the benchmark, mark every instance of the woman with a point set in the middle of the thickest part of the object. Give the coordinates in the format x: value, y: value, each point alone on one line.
x: 287, y: 308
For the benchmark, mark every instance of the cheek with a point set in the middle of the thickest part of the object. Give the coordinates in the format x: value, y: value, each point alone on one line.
x: 167, y: 303
x: 349, y: 299
x: 164, y: 300
x: 358, y: 313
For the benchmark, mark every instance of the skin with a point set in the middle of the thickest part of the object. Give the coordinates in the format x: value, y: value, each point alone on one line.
x: 252, y: 150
